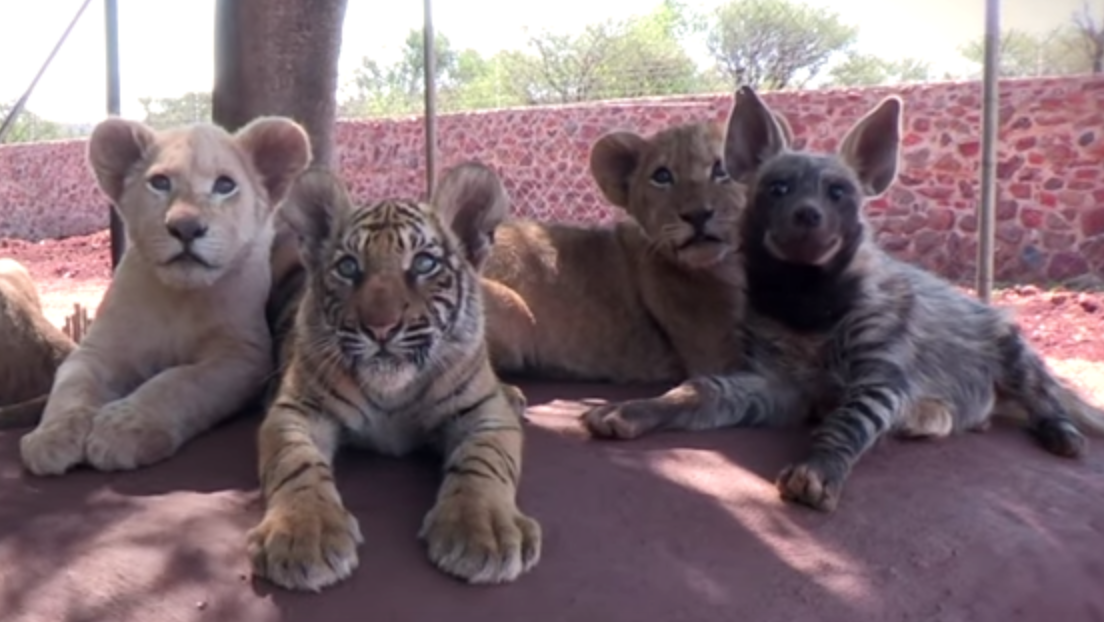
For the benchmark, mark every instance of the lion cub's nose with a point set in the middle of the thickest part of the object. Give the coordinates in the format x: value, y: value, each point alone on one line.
x: 697, y: 219
x: 186, y: 229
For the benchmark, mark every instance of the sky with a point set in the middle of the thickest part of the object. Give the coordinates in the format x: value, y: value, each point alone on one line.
x: 166, y: 46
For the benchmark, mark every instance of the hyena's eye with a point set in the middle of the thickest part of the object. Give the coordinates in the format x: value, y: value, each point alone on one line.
x: 424, y: 264
x: 159, y: 183
x: 719, y: 172
x: 779, y: 187
x: 224, y: 185
x: 836, y: 191
x: 347, y: 268
x: 662, y: 176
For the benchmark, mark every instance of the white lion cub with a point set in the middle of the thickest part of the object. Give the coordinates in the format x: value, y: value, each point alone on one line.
x: 179, y: 342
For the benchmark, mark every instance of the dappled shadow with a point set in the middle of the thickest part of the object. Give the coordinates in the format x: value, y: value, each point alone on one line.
x: 676, y: 526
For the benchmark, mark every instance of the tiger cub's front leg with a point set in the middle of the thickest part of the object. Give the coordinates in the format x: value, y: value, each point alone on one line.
x: 475, y: 531
x: 307, y: 539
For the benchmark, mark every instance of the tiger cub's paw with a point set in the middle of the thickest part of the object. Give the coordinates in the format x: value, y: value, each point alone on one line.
x: 481, y: 540
x: 516, y: 398
x: 306, y: 547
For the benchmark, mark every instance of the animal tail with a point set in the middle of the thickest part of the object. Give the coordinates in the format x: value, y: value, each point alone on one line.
x: 1032, y: 392
x: 25, y: 414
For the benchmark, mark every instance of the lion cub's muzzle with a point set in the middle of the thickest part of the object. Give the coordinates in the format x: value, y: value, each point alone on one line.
x: 187, y: 228
x: 702, y: 246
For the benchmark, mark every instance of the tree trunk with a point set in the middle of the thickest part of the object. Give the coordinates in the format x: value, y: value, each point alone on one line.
x: 279, y: 57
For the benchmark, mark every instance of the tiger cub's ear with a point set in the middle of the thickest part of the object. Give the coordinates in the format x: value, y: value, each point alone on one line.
x: 313, y: 207
x: 472, y: 201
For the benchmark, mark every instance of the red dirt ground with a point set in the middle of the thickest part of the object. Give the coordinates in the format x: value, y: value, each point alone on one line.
x: 1065, y: 325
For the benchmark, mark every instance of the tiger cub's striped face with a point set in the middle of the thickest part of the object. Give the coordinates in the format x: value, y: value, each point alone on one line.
x: 392, y: 286
x: 392, y: 289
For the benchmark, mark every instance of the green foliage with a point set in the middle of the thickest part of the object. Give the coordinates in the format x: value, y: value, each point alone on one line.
x: 166, y: 112
x: 871, y: 70
x: 1022, y: 54
x: 29, y: 127
x: 775, y: 44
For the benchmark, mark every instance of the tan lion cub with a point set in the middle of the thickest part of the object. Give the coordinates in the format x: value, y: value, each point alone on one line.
x: 33, y: 348
x: 652, y: 299
x: 180, y: 341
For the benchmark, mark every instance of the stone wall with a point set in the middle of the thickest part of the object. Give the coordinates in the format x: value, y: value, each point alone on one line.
x: 1050, y: 168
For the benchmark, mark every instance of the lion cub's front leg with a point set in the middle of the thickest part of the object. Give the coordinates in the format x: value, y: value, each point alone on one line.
x: 475, y: 531
x: 307, y: 540
x: 58, y: 442
x: 172, y: 407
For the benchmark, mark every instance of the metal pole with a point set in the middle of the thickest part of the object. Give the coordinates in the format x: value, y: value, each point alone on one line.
x: 430, y: 98
x: 111, y: 20
x: 989, y: 100
x: 13, y: 114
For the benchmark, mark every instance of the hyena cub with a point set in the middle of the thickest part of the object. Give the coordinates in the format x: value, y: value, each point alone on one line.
x: 837, y: 326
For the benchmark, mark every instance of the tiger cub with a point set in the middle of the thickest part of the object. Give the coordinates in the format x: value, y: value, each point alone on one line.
x: 382, y: 347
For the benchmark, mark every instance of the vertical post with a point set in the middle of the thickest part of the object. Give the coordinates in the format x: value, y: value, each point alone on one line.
x: 111, y: 21
x: 989, y: 101
x: 430, y: 51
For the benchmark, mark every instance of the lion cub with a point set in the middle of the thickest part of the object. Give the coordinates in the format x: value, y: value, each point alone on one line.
x: 33, y: 348
x: 655, y: 298
x: 180, y: 340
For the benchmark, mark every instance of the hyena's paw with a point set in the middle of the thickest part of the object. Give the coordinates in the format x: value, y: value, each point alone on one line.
x: 620, y: 420
x: 125, y: 438
x: 815, y: 483
x: 481, y: 541
x: 305, y: 547
x: 55, y: 447
x: 1060, y: 437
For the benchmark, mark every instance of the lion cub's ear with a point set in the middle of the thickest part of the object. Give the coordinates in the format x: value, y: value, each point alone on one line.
x: 115, y: 149
x: 280, y: 149
x: 472, y: 201
x: 613, y: 160
x: 315, y: 202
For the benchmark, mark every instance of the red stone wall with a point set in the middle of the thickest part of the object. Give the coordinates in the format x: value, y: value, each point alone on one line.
x: 1050, y: 168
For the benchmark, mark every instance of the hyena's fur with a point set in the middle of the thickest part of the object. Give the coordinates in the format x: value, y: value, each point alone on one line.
x: 838, y: 327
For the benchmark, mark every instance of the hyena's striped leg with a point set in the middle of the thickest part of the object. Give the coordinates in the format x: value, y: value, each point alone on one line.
x: 875, y: 399
x: 475, y: 530
x: 1048, y: 405
x: 742, y: 399
x: 307, y: 540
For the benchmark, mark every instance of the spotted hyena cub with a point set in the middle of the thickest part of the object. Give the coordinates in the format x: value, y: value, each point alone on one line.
x: 838, y: 326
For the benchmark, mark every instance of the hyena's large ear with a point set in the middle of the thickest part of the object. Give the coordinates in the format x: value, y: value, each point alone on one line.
x: 114, y: 149
x: 754, y: 134
x: 872, y: 146
x: 315, y: 202
x: 280, y: 149
x: 613, y: 160
x: 472, y: 201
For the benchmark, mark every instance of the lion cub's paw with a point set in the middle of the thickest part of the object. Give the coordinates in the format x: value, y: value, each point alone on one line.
x: 815, y: 483
x: 125, y: 438
x: 306, y: 547
x: 481, y: 541
x: 618, y: 420
x: 54, y: 448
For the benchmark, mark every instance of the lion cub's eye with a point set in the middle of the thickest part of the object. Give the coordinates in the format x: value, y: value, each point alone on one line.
x: 159, y: 183
x: 424, y: 264
x: 662, y: 176
x: 719, y: 173
x: 836, y: 191
x: 348, y: 268
x: 224, y: 185
x: 779, y: 188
